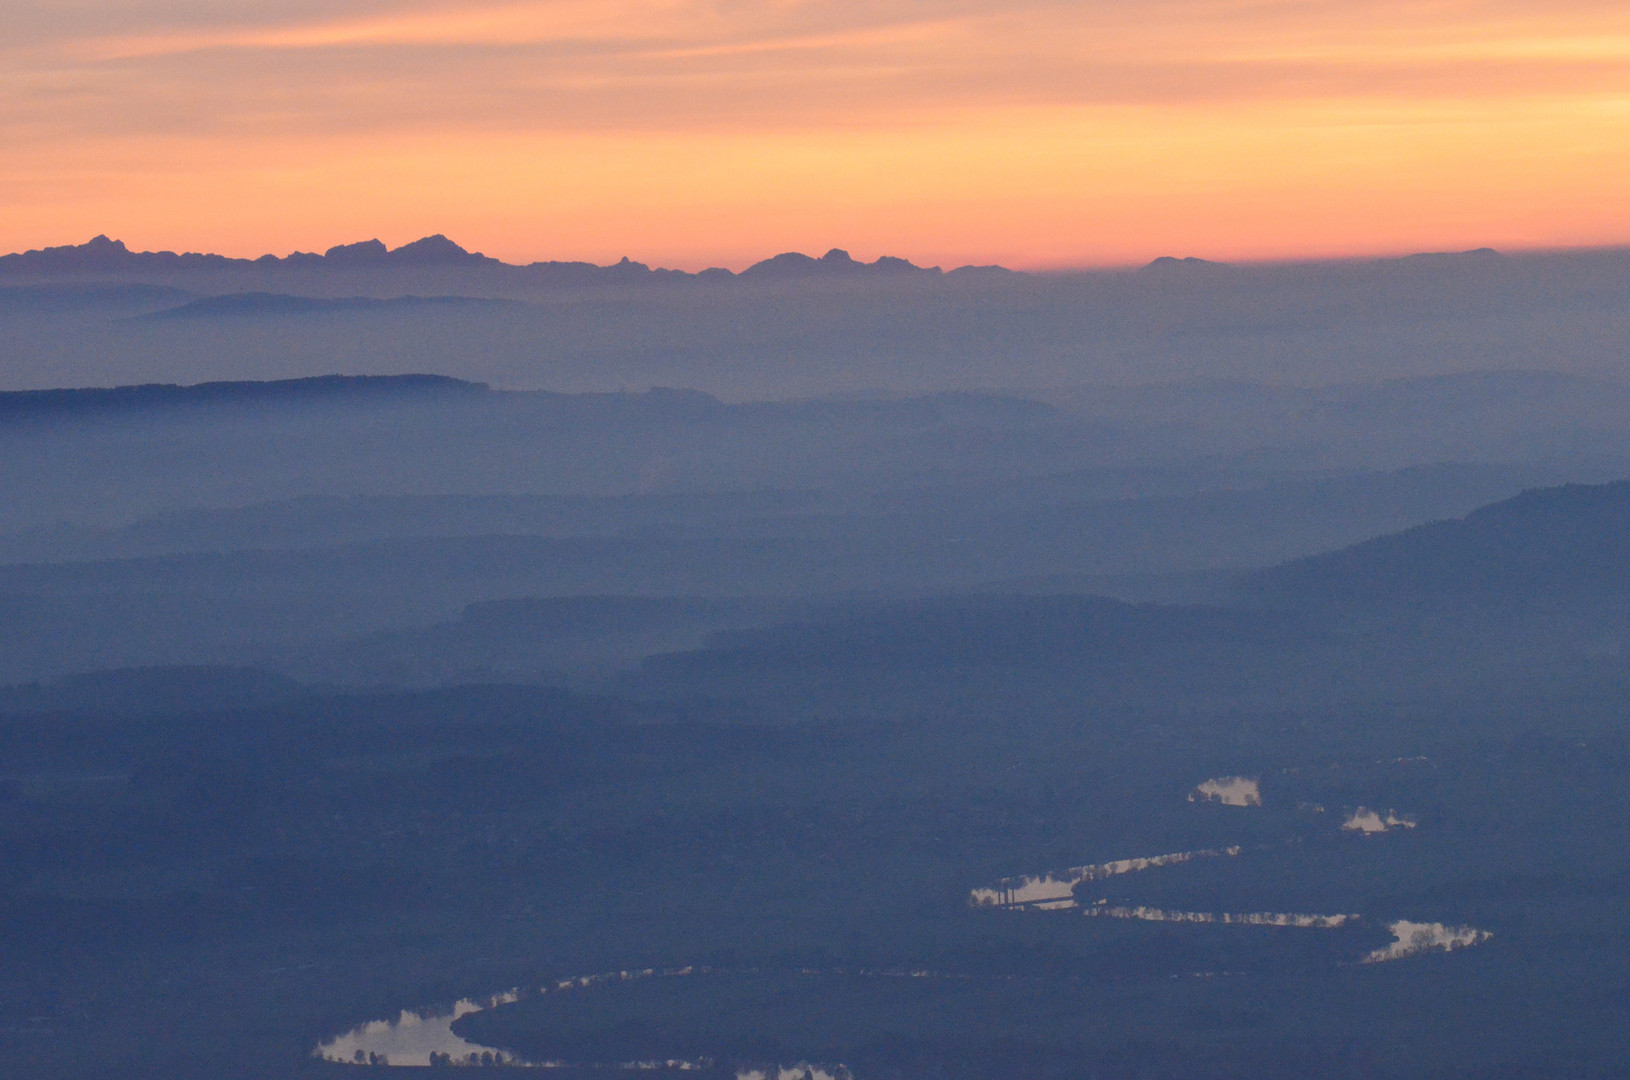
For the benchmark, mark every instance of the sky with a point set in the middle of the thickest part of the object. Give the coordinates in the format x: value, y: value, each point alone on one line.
x: 690, y: 133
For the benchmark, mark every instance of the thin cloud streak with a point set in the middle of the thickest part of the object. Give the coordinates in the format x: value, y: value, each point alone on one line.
x: 896, y: 72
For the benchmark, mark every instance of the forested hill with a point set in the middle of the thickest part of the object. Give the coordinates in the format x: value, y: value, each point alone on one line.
x: 1561, y: 543
x: 22, y: 404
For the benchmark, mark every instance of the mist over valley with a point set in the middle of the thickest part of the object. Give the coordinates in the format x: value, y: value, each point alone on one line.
x: 838, y: 669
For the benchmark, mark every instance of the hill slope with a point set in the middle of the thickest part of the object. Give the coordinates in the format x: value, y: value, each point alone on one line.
x: 1562, y: 546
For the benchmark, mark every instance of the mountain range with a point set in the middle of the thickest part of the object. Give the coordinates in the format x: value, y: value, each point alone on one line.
x: 103, y: 256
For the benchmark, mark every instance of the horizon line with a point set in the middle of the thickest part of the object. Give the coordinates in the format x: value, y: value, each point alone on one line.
x: 696, y: 268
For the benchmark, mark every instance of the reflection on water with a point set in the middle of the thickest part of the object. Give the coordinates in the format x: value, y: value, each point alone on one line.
x: 1413, y: 938
x: 424, y: 1039
x: 421, y: 1039
x: 1055, y: 891
x: 800, y: 1071
x: 416, y: 1039
x: 1369, y: 821
x: 1250, y: 918
x: 1229, y: 790
x: 428, y: 1039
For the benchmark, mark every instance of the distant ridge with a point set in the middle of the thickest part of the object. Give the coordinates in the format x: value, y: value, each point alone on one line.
x: 835, y: 263
x: 264, y: 303
x: 434, y: 250
x: 1440, y: 256
x: 25, y: 404
x: 1187, y: 262
x: 103, y: 256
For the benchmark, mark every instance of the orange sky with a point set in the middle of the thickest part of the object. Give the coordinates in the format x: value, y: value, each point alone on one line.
x: 690, y: 133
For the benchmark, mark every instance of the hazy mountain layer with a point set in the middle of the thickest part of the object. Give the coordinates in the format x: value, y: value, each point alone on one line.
x: 808, y: 327
x: 758, y: 725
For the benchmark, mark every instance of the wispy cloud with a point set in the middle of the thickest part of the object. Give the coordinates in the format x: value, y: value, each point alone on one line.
x: 676, y: 64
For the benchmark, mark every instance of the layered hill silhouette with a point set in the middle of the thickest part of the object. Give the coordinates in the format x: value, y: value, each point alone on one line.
x: 1539, y: 583
x: 1567, y: 545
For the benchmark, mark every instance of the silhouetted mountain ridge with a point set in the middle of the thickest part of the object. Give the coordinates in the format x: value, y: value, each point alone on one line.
x: 104, y: 256
x: 434, y: 250
x: 1168, y: 263
x: 835, y: 263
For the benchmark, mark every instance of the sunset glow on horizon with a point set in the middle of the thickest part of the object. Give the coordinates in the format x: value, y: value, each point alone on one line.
x: 688, y: 134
